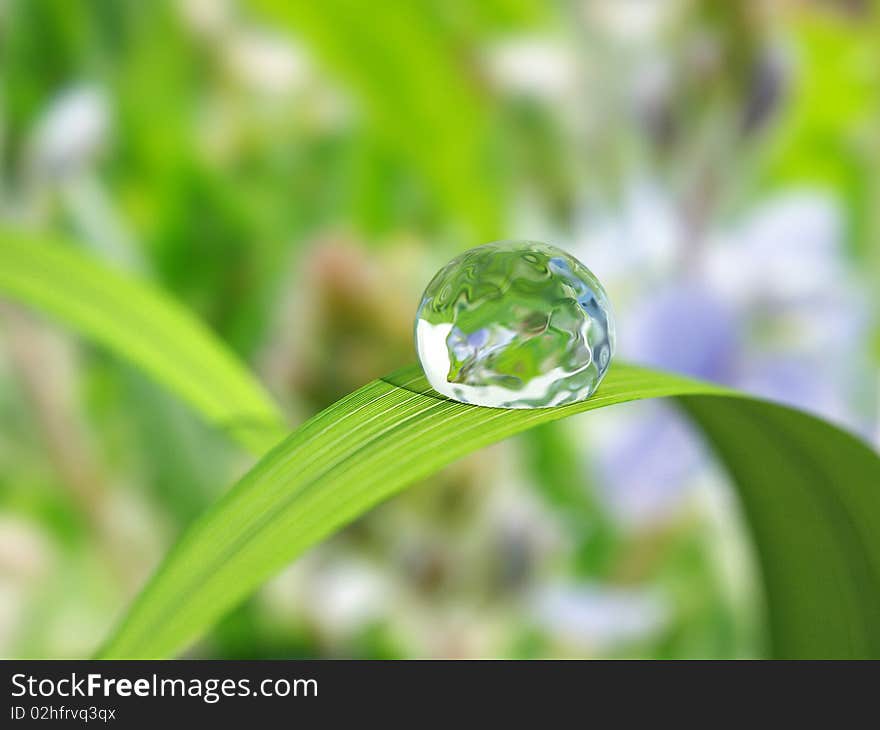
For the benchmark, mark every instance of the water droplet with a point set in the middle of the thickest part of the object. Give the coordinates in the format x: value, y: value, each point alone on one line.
x: 515, y: 324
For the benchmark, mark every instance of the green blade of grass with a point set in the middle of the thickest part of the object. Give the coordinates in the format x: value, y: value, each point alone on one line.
x: 811, y: 494
x: 140, y: 323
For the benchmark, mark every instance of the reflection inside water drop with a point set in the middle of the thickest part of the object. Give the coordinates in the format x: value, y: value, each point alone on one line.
x: 515, y: 324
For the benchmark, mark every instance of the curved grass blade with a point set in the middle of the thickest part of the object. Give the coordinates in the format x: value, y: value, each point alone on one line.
x: 811, y: 497
x: 810, y: 491
x: 145, y: 326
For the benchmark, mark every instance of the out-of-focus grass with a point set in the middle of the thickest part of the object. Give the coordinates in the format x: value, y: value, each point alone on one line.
x: 145, y: 327
x: 294, y: 174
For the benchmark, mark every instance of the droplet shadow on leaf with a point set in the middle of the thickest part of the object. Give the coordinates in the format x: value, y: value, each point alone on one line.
x: 412, y: 379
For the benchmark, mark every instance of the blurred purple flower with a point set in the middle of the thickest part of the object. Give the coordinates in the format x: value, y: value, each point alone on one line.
x: 646, y: 469
x: 686, y: 329
x: 795, y: 383
x: 768, y: 306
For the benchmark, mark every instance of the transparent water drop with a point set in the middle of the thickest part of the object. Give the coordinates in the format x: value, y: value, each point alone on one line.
x: 515, y: 324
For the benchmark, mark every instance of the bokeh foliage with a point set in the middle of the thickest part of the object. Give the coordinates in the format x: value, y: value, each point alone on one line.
x: 292, y: 174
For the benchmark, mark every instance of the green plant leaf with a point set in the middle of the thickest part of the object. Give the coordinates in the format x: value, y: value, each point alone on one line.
x: 811, y: 494
x: 143, y: 325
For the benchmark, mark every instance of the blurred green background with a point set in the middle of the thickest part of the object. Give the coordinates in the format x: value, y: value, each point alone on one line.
x: 294, y: 173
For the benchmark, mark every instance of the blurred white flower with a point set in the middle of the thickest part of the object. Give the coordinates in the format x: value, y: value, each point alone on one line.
x: 787, y: 251
x: 533, y: 67
x: 629, y: 21
x: 344, y: 595
x: 598, y: 618
x: 632, y: 246
x: 70, y: 133
x: 63, y: 150
x: 207, y: 17
x: 267, y: 63
x: 785, y: 271
x: 25, y: 551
